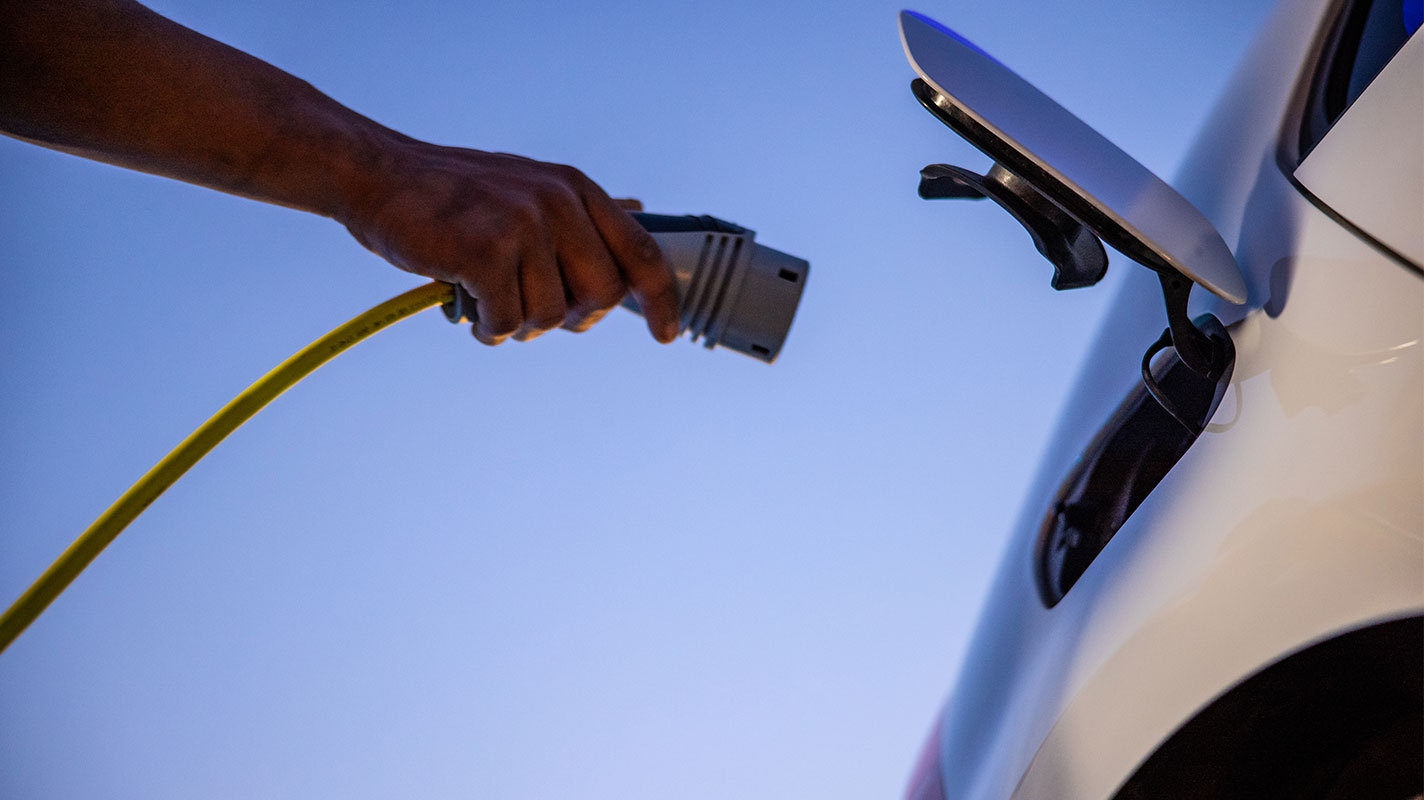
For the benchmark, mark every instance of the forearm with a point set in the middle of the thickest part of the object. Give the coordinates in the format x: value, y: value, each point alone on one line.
x: 113, y: 81
x: 539, y: 245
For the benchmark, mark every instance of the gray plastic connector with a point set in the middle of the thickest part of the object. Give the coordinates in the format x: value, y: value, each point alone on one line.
x: 735, y: 293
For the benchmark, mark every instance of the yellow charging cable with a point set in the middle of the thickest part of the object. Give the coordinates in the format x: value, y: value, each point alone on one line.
x: 199, y: 443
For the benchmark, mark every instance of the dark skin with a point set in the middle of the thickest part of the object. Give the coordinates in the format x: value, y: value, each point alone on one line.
x: 538, y: 245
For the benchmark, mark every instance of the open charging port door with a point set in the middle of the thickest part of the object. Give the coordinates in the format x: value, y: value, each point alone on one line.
x: 1074, y: 192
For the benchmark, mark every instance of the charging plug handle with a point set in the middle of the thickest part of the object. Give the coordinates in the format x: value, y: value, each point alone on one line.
x: 732, y: 292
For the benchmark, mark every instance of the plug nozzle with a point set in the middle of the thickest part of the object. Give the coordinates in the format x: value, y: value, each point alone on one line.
x: 735, y: 293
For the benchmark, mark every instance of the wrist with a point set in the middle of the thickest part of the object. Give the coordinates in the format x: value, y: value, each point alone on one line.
x: 361, y: 161
x: 322, y: 157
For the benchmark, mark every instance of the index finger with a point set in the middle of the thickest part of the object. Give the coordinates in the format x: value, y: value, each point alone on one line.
x: 646, y: 272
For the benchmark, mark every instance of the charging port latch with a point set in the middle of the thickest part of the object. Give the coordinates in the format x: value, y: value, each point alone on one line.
x: 1077, y: 256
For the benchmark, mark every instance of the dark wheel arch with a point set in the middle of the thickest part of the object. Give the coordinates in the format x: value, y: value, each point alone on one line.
x: 1343, y: 718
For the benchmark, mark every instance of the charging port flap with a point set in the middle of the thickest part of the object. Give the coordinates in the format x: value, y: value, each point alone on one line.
x: 1055, y: 158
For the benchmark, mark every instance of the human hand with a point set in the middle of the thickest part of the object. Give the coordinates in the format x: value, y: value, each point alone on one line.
x: 537, y: 245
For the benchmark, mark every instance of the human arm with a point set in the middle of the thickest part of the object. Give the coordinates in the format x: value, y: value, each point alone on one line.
x: 538, y: 245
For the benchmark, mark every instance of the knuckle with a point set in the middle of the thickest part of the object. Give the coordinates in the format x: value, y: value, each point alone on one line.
x: 582, y: 322
x: 604, y: 297
x: 489, y: 243
x: 547, y: 319
x: 658, y: 284
x: 482, y: 338
x: 647, y: 250
x: 667, y: 293
x: 572, y: 176
x: 499, y: 322
x: 558, y: 199
x: 524, y: 218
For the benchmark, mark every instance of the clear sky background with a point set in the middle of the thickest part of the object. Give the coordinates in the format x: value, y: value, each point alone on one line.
x: 588, y: 566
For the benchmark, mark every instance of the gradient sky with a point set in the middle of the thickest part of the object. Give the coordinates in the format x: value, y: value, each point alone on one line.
x: 588, y: 566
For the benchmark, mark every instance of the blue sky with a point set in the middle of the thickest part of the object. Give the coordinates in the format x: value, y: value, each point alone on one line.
x: 588, y: 566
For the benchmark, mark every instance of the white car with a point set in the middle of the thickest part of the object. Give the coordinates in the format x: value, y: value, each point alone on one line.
x: 1216, y: 587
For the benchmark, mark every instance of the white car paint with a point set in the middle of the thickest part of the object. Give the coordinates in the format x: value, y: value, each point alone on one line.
x: 1369, y: 168
x: 1296, y: 516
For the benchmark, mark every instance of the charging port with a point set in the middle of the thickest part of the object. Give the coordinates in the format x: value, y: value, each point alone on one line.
x: 1145, y: 437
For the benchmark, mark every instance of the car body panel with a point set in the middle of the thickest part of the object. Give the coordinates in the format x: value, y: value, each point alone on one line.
x: 1369, y: 167
x: 1296, y: 516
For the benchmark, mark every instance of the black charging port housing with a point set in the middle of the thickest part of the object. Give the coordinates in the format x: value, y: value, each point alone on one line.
x: 1132, y: 453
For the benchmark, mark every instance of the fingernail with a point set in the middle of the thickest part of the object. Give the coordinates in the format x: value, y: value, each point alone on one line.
x: 670, y: 330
